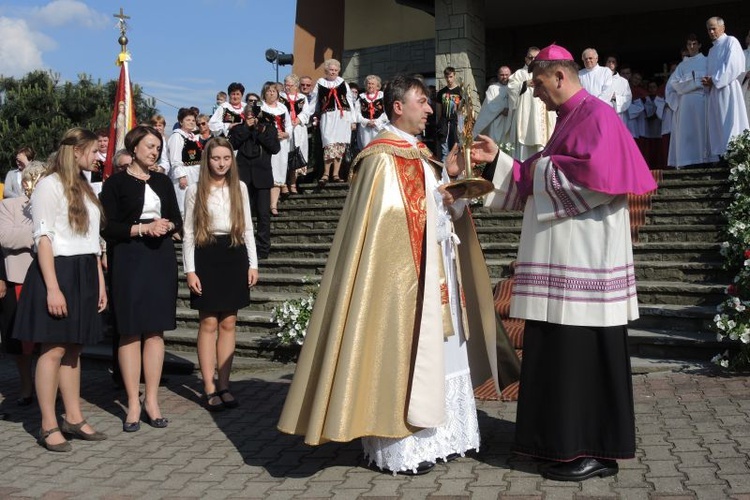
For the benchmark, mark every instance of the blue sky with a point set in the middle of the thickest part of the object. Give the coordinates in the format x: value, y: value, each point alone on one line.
x: 183, y: 51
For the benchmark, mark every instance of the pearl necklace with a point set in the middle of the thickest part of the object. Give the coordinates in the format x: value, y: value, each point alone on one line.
x: 138, y: 175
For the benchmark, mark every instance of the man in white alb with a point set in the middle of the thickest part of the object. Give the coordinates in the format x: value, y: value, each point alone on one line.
x: 687, y: 96
x: 597, y: 80
x: 495, y: 115
x: 532, y: 124
x: 727, y: 115
x: 621, y: 96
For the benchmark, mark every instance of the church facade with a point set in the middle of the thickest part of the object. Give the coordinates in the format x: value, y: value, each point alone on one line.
x: 478, y: 36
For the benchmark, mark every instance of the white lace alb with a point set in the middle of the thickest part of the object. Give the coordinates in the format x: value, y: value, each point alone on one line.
x: 458, y: 434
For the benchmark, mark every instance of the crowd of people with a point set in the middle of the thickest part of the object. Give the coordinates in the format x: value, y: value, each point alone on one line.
x: 684, y: 118
x: 563, y: 144
x: 68, y: 229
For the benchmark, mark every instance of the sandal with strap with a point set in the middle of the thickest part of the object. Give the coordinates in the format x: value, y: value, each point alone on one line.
x: 214, y: 407
x: 75, y: 430
x: 230, y: 403
x: 323, y: 181
x: 61, y: 447
x: 336, y: 179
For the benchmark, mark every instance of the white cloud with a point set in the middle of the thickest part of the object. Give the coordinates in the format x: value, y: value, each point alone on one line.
x: 21, y: 50
x: 61, y: 12
x: 23, y: 39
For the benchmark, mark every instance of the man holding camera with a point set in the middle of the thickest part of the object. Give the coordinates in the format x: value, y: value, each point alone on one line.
x: 255, y: 143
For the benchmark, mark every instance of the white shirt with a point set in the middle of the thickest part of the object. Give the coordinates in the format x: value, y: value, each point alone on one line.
x: 598, y: 82
x: 622, y: 96
x: 49, y: 213
x: 221, y: 223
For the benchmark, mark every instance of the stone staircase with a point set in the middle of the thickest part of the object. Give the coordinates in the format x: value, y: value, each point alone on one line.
x: 678, y: 266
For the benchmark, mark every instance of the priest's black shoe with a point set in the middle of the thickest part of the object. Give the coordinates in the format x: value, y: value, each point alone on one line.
x: 581, y: 469
x: 422, y: 468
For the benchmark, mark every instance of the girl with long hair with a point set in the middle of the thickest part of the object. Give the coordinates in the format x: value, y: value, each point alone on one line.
x: 63, y: 293
x: 220, y: 263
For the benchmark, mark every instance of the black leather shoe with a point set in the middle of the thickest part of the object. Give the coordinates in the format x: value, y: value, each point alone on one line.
x: 581, y: 469
x: 450, y: 458
x: 422, y: 468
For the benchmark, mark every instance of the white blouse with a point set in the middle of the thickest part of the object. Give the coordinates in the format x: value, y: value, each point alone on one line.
x: 49, y: 213
x: 151, y: 204
x: 221, y: 223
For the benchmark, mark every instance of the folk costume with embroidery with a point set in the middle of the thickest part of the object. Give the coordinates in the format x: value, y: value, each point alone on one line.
x: 369, y: 108
x: 334, y: 102
x: 299, y: 108
x: 185, y: 151
x: 223, y: 117
x: 278, y: 116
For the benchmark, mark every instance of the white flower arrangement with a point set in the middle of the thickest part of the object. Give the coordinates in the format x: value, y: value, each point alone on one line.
x: 293, y: 318
x: 732, y: 322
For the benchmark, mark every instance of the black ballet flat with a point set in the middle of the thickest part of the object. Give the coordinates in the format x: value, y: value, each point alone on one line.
x: 131, y: 426
x: 159, y: 423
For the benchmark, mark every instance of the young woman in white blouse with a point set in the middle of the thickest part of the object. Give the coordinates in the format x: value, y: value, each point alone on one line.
x: 63, y: 293
x: 220, y: 263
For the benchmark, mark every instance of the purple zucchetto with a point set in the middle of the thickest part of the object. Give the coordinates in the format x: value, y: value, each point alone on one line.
x: 554, y: 53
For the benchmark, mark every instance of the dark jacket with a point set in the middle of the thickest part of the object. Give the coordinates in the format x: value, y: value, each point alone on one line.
x: 122, y: 199
x: 254, y: 147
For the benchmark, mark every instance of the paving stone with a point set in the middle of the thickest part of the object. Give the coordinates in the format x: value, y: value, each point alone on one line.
x: 662, y: 468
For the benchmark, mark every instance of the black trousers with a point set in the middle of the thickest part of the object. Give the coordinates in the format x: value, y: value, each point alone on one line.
x: 260, y: 205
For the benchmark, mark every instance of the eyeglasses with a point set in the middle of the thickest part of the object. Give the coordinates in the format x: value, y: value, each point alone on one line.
x: 252, y: 100
x: 305, y: 85
x: 203, y: 123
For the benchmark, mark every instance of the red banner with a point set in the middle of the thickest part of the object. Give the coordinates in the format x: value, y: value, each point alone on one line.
x: 123, y: 115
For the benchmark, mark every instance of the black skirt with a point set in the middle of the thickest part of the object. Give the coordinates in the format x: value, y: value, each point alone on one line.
x: 222, y: 270
x: 78, y: 278
x: 144, y: 285
x: 576, y: 393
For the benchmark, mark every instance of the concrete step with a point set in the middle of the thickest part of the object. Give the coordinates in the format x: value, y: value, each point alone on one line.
x: 688, y: 174
x: 670, y: 344
x: 690, y: 201
x: 698, y: 187
x: 680, y: 318
x: 680, y: 293
x: 700, y: 216
x: 708, y: 233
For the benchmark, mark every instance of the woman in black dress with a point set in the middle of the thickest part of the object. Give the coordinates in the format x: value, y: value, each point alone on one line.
x: 63, y: 292
x: 142, y: 215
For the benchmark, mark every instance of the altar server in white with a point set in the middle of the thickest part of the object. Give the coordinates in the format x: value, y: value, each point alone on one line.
x: 727, y: 114
x: 687, y: 96
x: 597, y: 80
